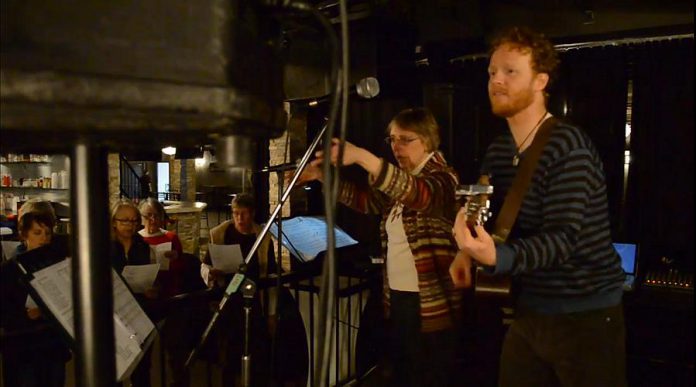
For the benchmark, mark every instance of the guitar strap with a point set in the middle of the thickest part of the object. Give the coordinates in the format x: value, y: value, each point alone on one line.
x: 513, y: 199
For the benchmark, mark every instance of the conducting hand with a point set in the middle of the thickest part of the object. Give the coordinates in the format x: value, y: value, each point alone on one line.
x: 354, y: 155
x: 171, y: 254
x: 351, y: 153
x: 480, y: 247
x: 312, y: 172
x: 460, y: 270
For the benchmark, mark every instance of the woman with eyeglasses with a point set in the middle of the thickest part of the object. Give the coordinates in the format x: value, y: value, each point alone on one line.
x: 180, y: 332
x: 415, y: 200
x: 129, y: 248
x: 153, y: 218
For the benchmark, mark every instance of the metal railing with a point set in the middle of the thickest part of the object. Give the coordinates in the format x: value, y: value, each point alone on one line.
x: 130, y: 186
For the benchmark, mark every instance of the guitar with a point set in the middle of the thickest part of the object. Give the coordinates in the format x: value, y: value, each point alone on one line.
x: 474, y: 200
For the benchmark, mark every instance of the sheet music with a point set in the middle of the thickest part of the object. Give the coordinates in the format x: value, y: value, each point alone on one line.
x: 226, y: 258
x: 140, y: 277
x: 128, y: 311
x: 30, y: 303
x: 53, y: 285
x: 160, y: 249
x: 131, y: 325
x: 126, y: 348
x: 305, y: 236
x: 9, y: 248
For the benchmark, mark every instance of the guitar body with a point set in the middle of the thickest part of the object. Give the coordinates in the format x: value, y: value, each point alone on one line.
x: 486, y: 285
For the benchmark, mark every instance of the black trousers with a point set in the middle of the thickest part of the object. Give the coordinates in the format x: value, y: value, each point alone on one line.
x: 575, y: 349
x: 416, y: 358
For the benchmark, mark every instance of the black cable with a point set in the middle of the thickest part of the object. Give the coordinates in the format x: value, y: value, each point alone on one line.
x: 331, y: 275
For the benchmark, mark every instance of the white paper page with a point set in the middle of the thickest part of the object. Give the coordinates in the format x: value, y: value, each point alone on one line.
x: 53, y: 284
x: 140, y: 277
x: 127, y: 309
x: 131, y: 324
x: 308, y: 236
x: 30, y: 303
x: 9, y: 248
x: 160, y: 249
x: 226, y: 258
x: 126, y: 347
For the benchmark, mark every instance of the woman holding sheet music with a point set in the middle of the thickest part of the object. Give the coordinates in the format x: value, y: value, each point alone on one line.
x: 129, y: 248
x: 414, y: 199
x: 153, y: 218
x: 36, y: 357
x: 178, y: 276
x: 242, y: 231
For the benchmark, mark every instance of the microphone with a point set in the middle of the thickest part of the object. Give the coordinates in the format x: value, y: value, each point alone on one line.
x: 366, y: 88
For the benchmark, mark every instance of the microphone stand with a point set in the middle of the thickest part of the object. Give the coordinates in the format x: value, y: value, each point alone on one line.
x: 248, y: 291
x: 234, y: 285
x: 280, y: 172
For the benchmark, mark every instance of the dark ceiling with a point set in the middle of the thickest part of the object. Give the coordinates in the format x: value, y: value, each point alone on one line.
x: 395, y: 33
x: 446, y: 20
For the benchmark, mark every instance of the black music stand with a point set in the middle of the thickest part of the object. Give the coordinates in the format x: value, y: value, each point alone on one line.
x: 46, y: 272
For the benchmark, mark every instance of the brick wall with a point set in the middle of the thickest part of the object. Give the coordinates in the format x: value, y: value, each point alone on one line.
x: 290, y: 147
x: 114, y: 178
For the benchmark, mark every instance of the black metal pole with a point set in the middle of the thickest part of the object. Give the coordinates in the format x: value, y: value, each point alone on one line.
x: 279, y: 259
x: 91, y: 268
x: 248, y: 291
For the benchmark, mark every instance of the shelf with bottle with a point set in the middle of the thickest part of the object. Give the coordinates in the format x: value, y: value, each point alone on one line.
x: 34, y: 188
x: 12, y: 158
x: 23, y: 162
x: 55, y: 180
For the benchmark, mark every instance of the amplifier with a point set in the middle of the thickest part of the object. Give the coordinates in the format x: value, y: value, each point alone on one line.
x: 670, y: 278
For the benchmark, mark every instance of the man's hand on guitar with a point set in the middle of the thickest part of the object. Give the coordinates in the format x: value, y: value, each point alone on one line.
x: 460, y: 270
x: 480, y: 247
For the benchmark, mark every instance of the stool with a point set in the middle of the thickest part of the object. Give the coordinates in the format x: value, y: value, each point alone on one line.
x: 201, y: 197
x: 204, y: 217
x: 227, y: 209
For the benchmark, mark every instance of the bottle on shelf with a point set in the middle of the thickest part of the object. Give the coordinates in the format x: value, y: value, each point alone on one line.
x: 65, y: 179
x: 55, y: 180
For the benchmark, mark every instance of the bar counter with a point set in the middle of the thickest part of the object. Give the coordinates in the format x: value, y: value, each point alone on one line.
x: 186, y: 217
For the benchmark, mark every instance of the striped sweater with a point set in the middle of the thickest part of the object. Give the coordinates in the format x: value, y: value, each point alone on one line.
x: 560, y: 249
x: 428, y: 215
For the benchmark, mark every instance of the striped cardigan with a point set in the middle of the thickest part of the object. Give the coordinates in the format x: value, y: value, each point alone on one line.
x: 560, y: 250
x: 428, y: 215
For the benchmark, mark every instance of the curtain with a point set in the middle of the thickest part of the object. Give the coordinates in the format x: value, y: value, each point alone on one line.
x: 660, y: 185
x: 591, y: 93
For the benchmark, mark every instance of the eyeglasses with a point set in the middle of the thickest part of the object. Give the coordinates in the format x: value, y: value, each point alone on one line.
x: 403, y: 141
x: 127, y: 221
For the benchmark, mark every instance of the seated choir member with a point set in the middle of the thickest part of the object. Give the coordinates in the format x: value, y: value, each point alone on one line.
x: 242, y: 230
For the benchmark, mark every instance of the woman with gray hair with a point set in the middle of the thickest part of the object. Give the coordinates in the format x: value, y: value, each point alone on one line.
x: 415, y: 200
